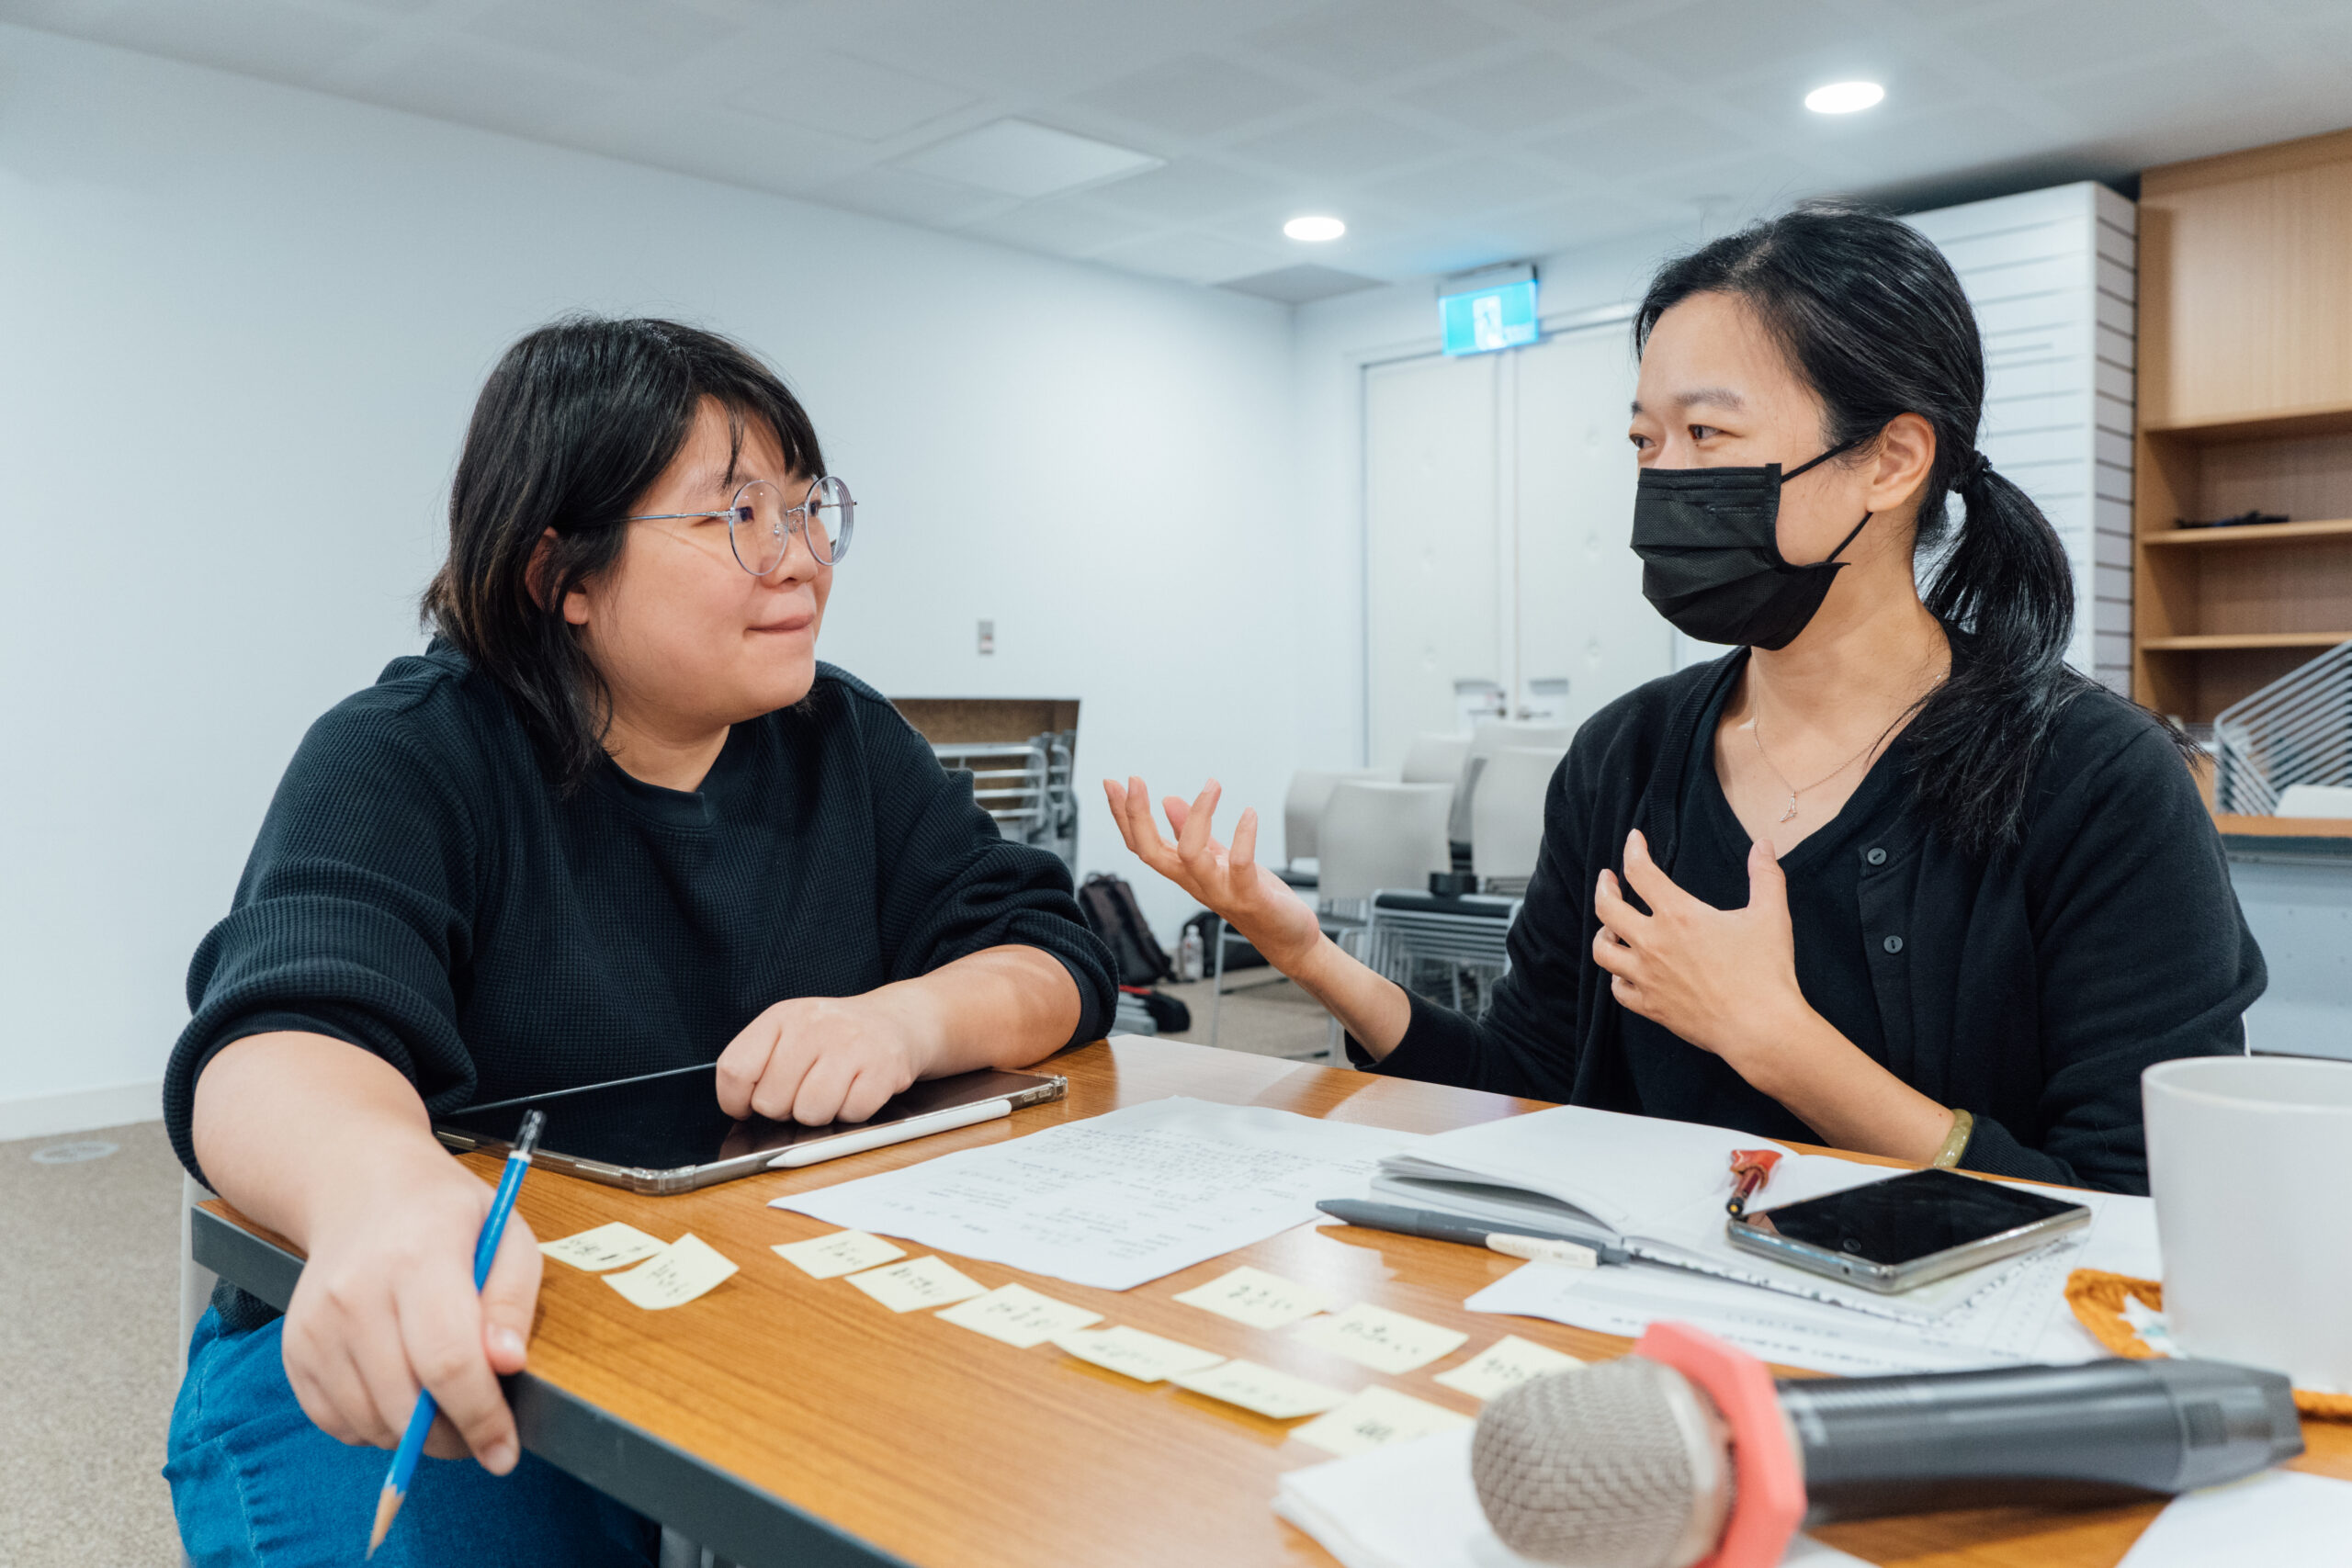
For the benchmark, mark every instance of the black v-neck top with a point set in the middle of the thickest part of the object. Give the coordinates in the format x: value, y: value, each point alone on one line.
x: 2029, y: 988
x: 1824, y: 874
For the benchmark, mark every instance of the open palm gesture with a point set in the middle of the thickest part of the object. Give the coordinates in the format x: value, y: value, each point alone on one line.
x: 1247, y: 896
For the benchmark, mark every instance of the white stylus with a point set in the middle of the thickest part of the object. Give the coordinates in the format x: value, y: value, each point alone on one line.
x: 890, y: 1132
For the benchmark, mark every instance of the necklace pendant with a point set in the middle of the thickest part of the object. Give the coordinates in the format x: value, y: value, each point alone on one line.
x: 1791, y: 811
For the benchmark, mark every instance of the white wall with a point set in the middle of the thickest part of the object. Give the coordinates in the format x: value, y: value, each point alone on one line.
x: 251, y: 321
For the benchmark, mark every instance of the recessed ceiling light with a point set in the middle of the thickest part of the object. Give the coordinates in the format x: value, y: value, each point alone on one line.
x: 1315, y: 230
x: 1844, y: 98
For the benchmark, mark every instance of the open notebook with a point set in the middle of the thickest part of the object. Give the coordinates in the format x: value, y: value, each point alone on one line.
x: 1656, y: 1187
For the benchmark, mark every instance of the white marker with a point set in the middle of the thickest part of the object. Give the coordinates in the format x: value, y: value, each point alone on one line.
x: 890, y: 1132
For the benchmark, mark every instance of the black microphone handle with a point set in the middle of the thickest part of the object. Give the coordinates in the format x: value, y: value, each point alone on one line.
x: 2103, y: 1430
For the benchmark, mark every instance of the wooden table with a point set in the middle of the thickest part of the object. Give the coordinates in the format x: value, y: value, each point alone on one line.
x: 782, y: 1419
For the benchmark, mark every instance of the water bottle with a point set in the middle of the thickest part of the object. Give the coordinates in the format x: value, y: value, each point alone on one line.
x: 1189, y: 958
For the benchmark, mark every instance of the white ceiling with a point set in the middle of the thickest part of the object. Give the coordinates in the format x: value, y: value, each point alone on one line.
x: 1449, y: 133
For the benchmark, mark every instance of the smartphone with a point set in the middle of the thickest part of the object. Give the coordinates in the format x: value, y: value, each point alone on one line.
x: 1907, y: 1230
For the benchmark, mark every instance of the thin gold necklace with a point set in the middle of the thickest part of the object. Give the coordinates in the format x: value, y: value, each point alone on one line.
x: 1756, y: 733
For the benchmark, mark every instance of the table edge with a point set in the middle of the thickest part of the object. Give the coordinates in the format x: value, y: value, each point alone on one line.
x: 743, y: 1523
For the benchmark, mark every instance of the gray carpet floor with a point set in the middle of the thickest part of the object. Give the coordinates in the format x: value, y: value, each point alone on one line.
x: 1263, y: 1014
x: 89, y: 1317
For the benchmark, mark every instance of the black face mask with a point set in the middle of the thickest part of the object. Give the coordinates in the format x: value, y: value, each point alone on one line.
x: 1711, y: 556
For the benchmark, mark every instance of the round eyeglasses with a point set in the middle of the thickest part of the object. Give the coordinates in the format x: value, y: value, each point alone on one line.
x: 760, y: 526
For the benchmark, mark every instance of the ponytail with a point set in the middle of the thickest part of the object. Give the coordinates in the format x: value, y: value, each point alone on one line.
x: 1873, y: 318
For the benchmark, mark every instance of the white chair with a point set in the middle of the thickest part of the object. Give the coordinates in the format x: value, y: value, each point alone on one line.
x: 1310, y: 791
x: 1376, y: 835
x: 1493, y: 735
x: 1435, y: 759
x: 1507, y: 818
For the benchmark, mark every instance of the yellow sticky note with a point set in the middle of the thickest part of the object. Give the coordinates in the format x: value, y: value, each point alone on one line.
x: 843, y: 1252
x: 1261, y: 1389
x: 1375, y: 1417
x: 1257, y: 1298
x: 1020, y: 1316
x: 607, y: 1246
x: 1504, y: 1365
x: 1146, y: 1357
x: 1385, y: 1341
x: 920, y: 1282
x: 686, y: 1269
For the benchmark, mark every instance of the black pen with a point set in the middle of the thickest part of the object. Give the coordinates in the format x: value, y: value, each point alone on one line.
x: 1578, y: 1249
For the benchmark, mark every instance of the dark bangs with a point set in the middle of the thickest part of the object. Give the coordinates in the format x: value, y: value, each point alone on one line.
x: 576, y: 423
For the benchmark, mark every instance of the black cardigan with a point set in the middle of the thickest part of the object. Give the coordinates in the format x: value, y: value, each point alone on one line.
x: 2032, y: 987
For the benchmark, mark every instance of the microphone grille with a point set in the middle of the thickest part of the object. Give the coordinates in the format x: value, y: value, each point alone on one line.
x: 1597, y: 1467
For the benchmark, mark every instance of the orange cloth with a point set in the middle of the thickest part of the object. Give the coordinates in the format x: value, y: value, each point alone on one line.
x: 2098, y: 1298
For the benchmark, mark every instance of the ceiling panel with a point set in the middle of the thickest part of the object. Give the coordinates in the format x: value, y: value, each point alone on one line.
x: 1348, y: 145
x: 1449, y: 133
x: 1369, y: 41
x: 837, y: 94
x: 281, y: 39
x: 1470, y: 185
x: 1630, y: 145
x: 1525, y: 93
x: 1713, y: 38
x: 1196, y: 96
x: 2035, y: 41
x: 1194, y: 188
x: 633, y: 41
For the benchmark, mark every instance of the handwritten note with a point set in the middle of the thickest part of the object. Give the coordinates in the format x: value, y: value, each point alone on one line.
x: 1257, y: 1298
x: 688, y: 1268
x: 843, y: 1252
x: 1261, y: 1389
x: 1504, y: 1365
x: 607, y: 1246
x: 1374, y: 1419
x: 1385, y: 1341
x: 1018, y: 1315
x: 918, y: 1282
x: 1117, y: 1200
x: 1146, y: 1357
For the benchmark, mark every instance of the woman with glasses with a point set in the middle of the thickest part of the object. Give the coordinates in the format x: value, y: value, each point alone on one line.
x: 617, y: 818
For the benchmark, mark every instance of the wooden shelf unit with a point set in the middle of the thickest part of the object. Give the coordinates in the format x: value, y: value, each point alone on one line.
x: 2246, y: 403
x: 2251, y: 533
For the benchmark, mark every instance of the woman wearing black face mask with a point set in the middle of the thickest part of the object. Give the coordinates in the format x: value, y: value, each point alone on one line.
x: 1890, y: 875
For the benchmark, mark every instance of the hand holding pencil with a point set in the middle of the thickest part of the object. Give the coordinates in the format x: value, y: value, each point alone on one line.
x: 421, y: 1419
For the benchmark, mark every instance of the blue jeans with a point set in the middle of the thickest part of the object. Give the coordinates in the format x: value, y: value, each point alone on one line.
x: 255, y: 1485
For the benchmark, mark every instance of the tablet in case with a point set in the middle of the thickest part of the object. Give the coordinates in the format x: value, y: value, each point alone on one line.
x: 664, y: 1131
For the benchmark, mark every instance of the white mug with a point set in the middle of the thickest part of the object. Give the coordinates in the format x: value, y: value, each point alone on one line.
x: 2250, y: 1162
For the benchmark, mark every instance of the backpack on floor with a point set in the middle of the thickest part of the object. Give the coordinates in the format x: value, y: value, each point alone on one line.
x: 1168, y: 1015
x: 1110, y: 907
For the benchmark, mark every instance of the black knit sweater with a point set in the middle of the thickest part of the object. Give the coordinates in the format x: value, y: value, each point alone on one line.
x: 421, y: 890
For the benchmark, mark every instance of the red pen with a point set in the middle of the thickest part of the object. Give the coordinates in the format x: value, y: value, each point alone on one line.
x: 1750, y: 1170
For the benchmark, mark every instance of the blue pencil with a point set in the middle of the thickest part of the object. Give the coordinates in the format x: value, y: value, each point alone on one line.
x: 420, y: 1421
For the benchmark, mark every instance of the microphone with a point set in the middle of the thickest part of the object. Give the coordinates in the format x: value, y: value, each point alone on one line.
x: 1688, y: 1449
